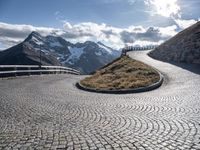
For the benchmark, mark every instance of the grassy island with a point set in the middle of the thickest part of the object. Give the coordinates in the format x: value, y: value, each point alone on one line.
x: 123, y: 73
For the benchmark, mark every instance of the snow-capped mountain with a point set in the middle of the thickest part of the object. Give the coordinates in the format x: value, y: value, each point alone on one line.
x: 86, y: 57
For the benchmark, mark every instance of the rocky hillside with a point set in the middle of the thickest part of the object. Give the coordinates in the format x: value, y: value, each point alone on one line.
x: 86, y: 57
x: 22, y: 55
x: 184, y: 47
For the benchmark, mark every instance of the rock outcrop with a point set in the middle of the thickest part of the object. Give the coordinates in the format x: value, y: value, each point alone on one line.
x: 184, y: 47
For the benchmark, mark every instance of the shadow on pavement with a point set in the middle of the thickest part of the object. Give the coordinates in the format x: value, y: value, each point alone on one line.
x: 195, y: 68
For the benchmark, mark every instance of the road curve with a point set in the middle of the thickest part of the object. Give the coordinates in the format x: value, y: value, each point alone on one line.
x: 49, y: 112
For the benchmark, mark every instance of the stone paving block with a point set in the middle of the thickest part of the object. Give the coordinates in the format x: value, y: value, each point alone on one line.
x: 48, y: 112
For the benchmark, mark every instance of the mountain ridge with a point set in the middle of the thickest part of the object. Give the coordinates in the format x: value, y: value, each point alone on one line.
x: 86, y: 57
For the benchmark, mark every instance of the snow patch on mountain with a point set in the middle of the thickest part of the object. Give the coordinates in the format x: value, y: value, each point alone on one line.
x: 36, y: 41
x: 99, y: 53
x: 87, y: 56
x: 75, y: 54
x: 102, y: 46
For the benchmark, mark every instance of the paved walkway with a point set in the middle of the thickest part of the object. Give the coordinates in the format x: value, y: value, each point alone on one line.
x: 48, y: 112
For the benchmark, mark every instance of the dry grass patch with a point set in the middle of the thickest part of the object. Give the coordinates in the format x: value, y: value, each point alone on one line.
x: 124, y: 73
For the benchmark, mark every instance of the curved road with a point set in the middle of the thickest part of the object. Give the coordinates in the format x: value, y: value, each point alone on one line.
x: 49, y: 112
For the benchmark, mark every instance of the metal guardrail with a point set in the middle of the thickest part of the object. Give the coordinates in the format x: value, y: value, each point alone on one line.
x: 19, y: 70
x: 132, y: 48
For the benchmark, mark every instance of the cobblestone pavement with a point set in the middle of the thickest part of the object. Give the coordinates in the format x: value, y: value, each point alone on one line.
x: 49, y: 112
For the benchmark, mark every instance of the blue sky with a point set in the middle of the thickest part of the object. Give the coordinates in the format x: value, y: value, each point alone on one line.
x: 42, y: 13
x: 114, y: 22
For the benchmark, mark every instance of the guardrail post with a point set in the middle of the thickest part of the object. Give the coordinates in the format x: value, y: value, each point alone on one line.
x: 29, y: 73
x: 15, y: 69
x: 48, y: 72
x: 40, y: 67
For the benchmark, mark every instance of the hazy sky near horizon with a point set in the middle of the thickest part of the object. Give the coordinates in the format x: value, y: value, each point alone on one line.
x: 113, y: 22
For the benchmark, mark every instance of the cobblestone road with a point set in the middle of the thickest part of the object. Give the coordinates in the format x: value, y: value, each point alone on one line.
x: 48, y: 112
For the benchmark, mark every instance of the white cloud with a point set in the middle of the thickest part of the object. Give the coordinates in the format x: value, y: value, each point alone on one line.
x: 184, y: 23
x: 165, y: 8
x: 20, y: 31
x: 138, y: 43
x: 169, y: 9
x: 11, y: 34
x: 130, y: 2
x: 57, y: 13
x: 118, y: 37
x: 59, y: 16
x: 168, y: 31
x: 8, y: 42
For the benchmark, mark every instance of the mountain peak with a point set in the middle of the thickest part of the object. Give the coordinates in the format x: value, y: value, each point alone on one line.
x: 35, y: 36
x: 89, y: 42
x: 35, y: 33
x: 100, y: 43
x: 87, y: 56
